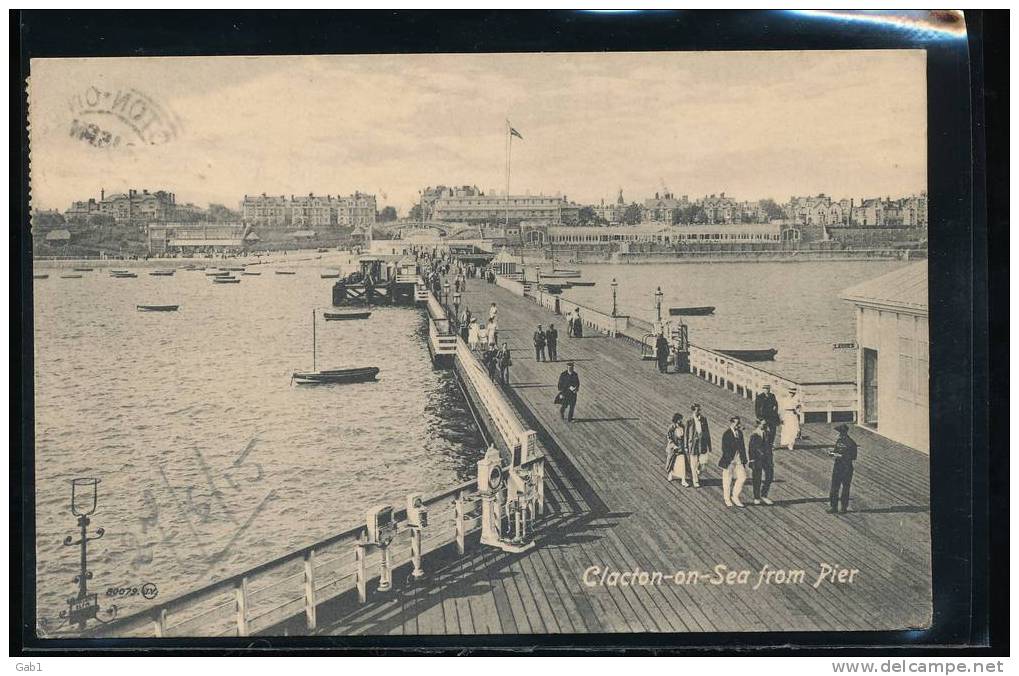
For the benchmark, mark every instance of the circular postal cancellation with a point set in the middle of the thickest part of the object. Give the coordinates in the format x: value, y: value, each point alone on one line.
x: 111, y: 117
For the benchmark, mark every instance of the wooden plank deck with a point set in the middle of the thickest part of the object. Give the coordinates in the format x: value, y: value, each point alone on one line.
x: 610, y: 505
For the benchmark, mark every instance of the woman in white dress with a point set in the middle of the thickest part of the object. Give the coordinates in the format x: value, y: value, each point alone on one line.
x: 790, y: 419
x: 473, y: 335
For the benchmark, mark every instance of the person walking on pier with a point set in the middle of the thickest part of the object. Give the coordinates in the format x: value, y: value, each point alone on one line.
x: 733, y: 463
x: 504, y: 363
x: 539, y: 344
x: 569, y: 386
x: 676, y: 449
x: 662, y: 353
x: 698, y: 442
x: 842, y: 471
x: 766, y: 409
x: 493, y: 313
x: 578, y: 325
x: 762, y: 462
x: 552, y: 340
x: 790, y: 420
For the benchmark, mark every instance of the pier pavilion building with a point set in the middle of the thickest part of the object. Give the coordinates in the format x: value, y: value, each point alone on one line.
x: 893, y: 354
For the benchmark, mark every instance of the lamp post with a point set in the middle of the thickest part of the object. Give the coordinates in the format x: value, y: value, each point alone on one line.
x: 658, y: 303
x: 615, y: 286
x: 84, y: 606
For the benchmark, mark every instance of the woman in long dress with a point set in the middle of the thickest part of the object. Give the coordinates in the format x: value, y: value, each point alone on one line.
x: 675, y: 450
x: 790, y: 420
x: 473, y: 335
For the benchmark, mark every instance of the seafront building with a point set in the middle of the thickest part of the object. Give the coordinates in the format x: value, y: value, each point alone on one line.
x: 500, y: 209
x: 137, y: 207
x: 664, y: 233
x: 198, y: 238
x: 305, y: 211
x: 893, y: 348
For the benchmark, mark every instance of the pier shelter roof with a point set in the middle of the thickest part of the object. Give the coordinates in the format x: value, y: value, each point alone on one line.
x: 903, y: 290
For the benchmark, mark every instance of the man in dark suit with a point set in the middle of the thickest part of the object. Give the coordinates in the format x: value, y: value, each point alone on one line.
x: 842, y: 472
x: 766, y: 409
x: 733, y: 462
x: 569, y: 385
x: 539, y: 344
x: 698, y: 442
x: 552, y: 340
x: 662, y: 352
x: 762, y: 462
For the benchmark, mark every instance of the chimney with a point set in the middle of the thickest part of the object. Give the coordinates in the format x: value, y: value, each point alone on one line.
x: 102, y: 194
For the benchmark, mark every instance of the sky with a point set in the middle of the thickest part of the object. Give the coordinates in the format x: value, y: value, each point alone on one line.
x: 750, y: 124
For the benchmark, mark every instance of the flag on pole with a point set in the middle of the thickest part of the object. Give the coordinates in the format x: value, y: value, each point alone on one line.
x: 514, y: 132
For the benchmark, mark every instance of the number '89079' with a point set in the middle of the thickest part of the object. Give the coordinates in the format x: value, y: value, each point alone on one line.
x: 120, y: 592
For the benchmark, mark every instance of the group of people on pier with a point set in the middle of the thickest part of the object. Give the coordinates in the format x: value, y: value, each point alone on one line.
x: 688, y: 446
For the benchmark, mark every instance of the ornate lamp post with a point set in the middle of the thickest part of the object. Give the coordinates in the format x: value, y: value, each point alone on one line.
x: 615, y: 287
x: 84, y: 606
x: 658, y: 303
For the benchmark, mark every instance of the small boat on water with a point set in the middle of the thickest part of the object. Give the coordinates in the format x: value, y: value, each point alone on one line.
x: 692, y: 311
x: 337, y: 376
x: 69, y: 276
x: 330, y: 376
x: 578, y: 282
x: 226, y: 280
x: 123, y: 275
x: 40, y: 276
x: 339, y: 316
x: 83, y: 269
x: 767, y: 354
x: 162, y: 273
x: 233, y: 269
x: 157, y: 308
x: 251, y: 274
x: 285, y: 272
x: 561, y: 274
x: 330, y: 275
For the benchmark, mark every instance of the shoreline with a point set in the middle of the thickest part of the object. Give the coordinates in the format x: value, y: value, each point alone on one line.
x: 650, y: 258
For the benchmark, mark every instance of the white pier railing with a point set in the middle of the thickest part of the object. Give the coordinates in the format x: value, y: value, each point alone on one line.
x: 296, y: 584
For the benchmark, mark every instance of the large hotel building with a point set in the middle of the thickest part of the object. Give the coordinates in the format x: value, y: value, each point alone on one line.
x: 498, y: 209
x: 303, y: 211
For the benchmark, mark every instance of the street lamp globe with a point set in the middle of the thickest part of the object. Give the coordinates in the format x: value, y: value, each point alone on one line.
x: 84, y: 496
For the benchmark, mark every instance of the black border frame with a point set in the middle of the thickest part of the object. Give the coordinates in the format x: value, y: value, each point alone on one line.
x: 963, y: 183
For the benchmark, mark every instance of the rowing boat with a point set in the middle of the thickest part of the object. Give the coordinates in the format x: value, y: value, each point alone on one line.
x: 336, y: 376
x: 226, y: 280
x: 338, y: 316
x: 692, y: 311
x: 162, y: 273
x: 40, y: 276
x: 767, y: 354
x: 157, y: 308
x: 285, y: 272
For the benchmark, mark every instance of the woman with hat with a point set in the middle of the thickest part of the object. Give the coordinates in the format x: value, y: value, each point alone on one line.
x: 790, y: 420
x: 675, y: 448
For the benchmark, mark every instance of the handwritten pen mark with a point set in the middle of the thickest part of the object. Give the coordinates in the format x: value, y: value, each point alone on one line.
x: 183, y: 509
x: 212, y: 485
x: 216, y: 558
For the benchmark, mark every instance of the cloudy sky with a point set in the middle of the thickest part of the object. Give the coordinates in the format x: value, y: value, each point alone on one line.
x: 765, y: 124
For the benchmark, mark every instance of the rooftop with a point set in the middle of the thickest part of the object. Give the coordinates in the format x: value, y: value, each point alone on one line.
x: 905, y: 289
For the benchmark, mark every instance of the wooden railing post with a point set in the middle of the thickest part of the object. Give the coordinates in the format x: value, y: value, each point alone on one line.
x: 241, y: 595
x: 461, y: 526
x: 159, y: 622
x: 309, y: 589
x: 360, y: 553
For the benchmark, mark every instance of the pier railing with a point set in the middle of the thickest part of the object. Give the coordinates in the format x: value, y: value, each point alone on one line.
x: 827, y: 400
x: 591, y: 318
x: 295, y: 585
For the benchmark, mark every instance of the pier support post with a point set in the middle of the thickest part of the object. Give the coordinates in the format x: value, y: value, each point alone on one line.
x: 361, y: 575
x: 241, y: 595
x: 309, y: 589
x: 159, y: 623
x: 461, y: 532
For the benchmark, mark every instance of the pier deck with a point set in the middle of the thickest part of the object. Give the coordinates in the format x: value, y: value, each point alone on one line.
x: 610, y: 505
